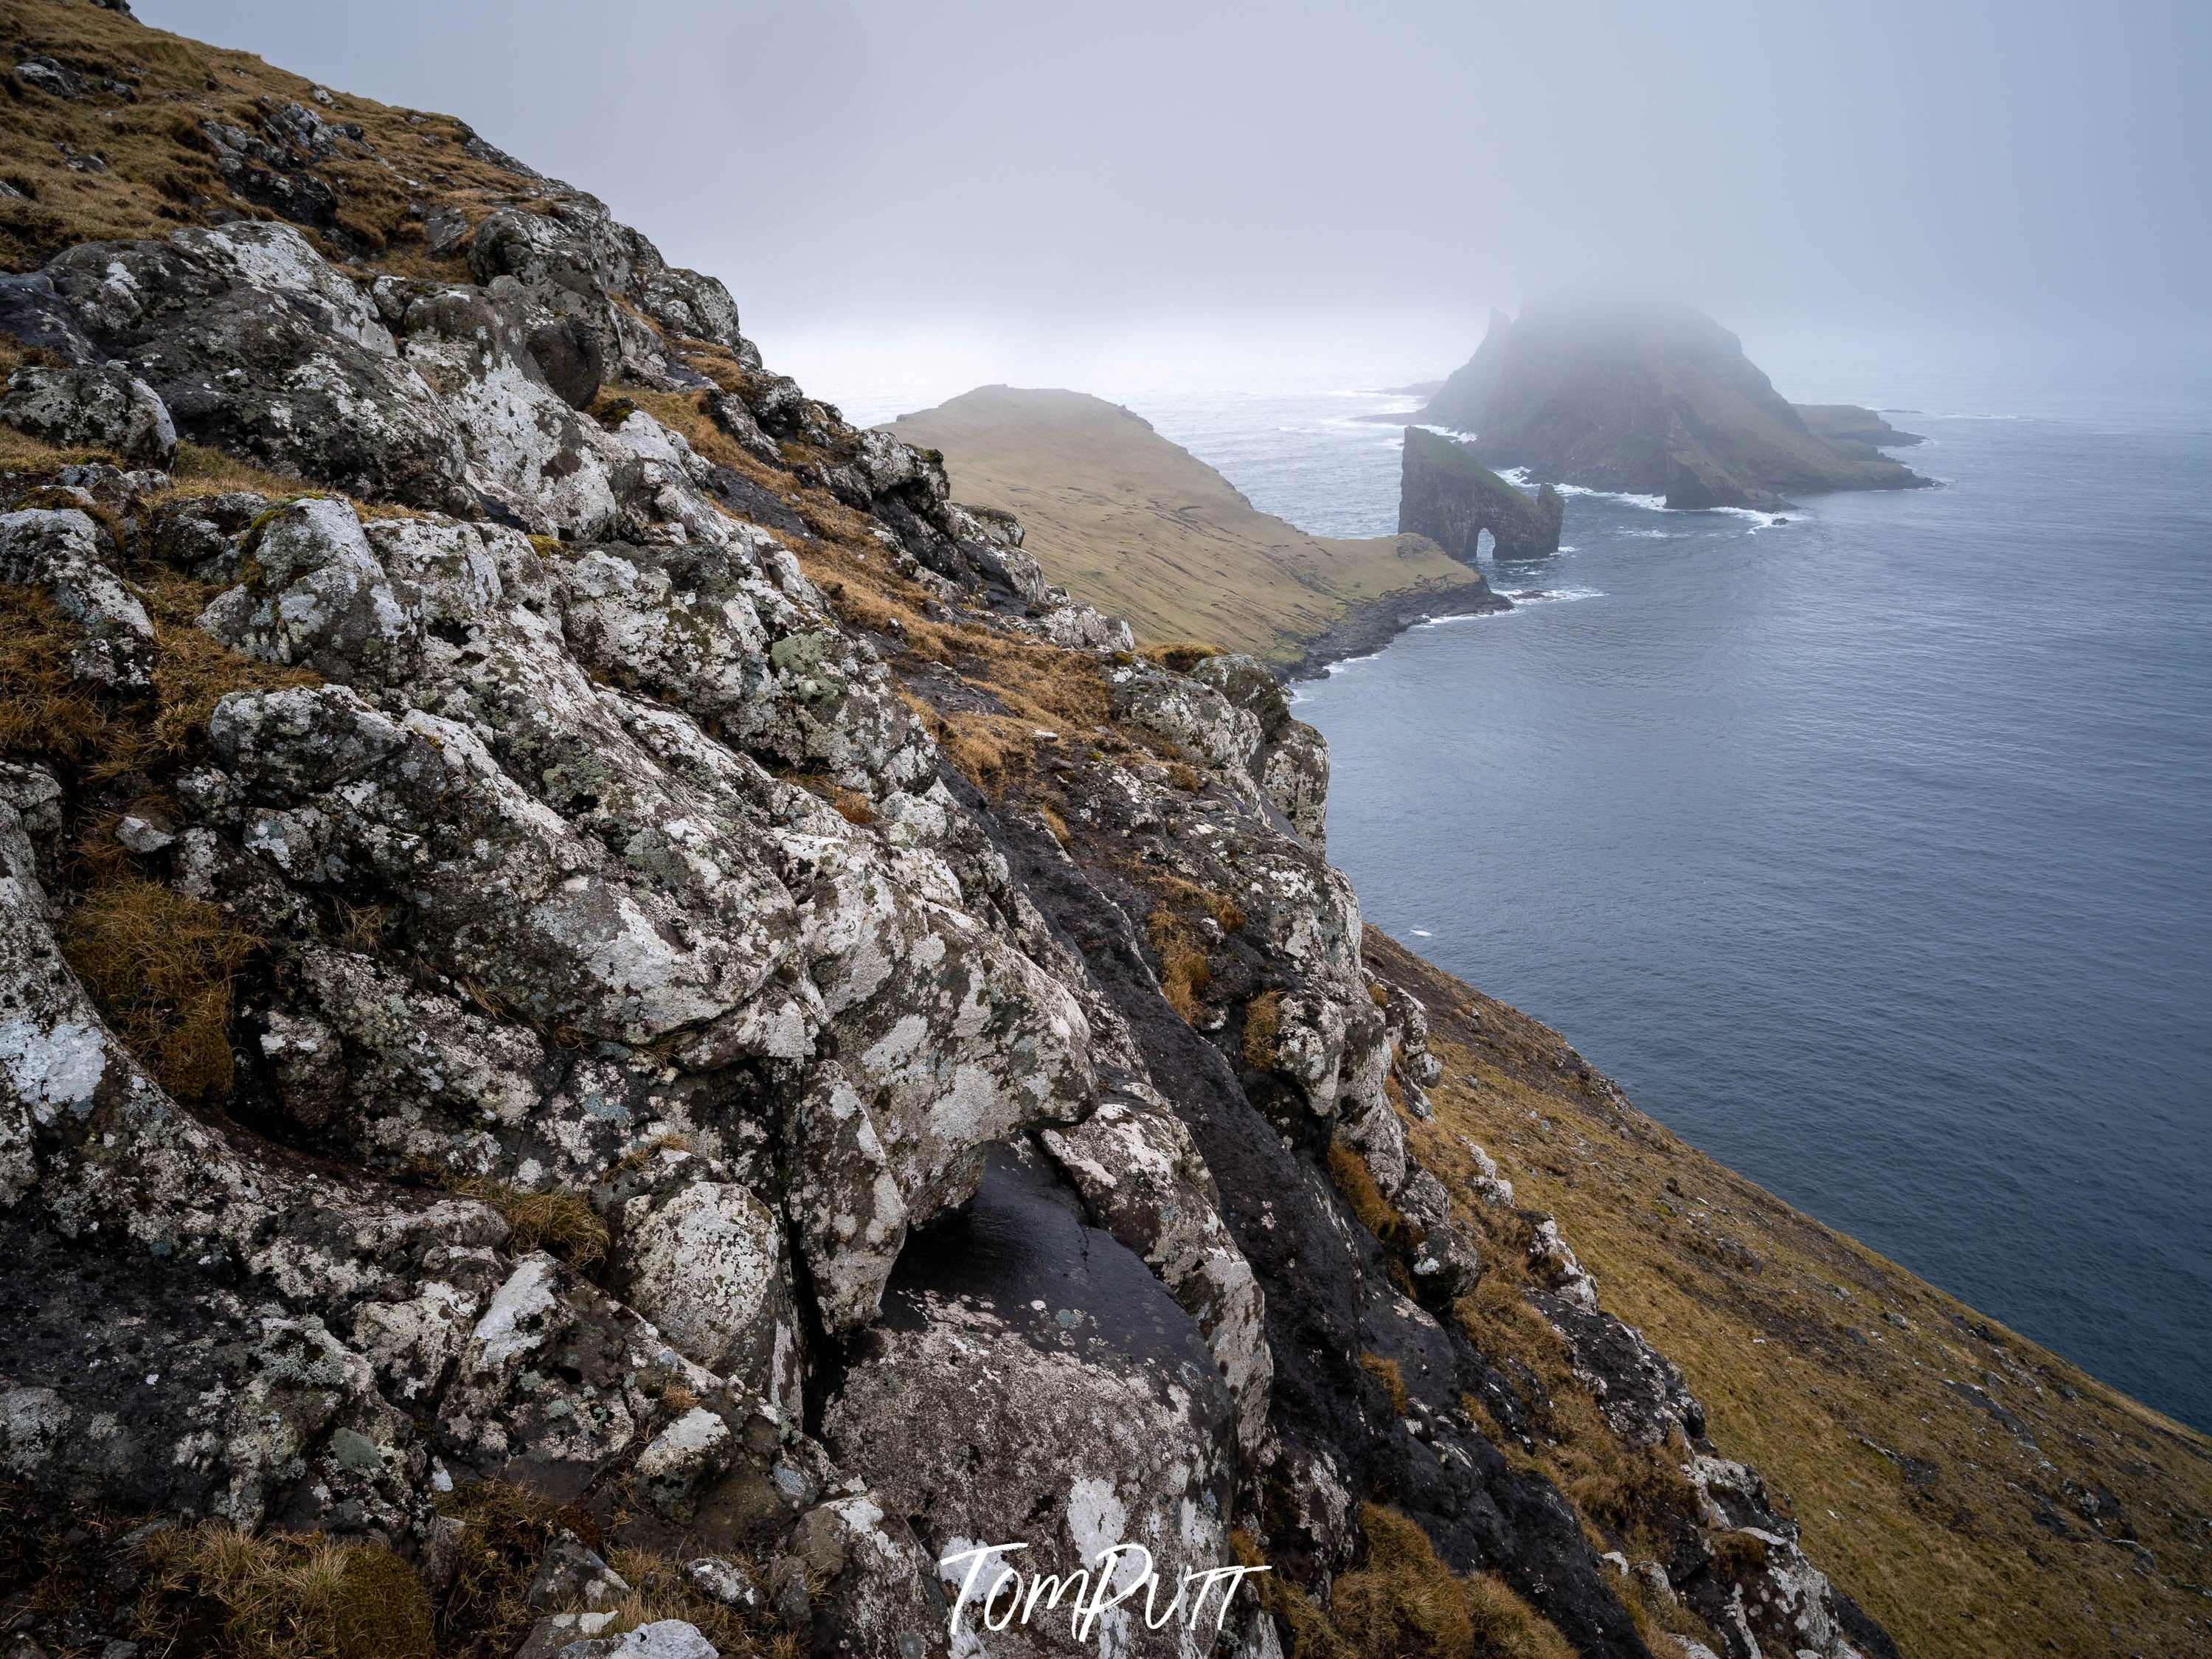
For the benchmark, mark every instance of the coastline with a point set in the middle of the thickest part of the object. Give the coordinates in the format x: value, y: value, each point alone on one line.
x: 1369, y: 626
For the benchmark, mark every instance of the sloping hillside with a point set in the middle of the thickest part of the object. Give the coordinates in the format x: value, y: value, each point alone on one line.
x: 1977, y: 1493
x: 1140, y: 527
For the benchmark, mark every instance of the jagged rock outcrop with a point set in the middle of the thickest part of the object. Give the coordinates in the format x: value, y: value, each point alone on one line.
x: 1446, y: 494
x: 1648, y: 396
x: 610, y: 962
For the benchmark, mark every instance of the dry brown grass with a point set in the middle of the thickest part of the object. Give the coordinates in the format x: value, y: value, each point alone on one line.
x: 1180, y: 655
x: 660, y: 1589
x: 1403, y: 1603
x: 1185, y: 974
x: 47, y: 714
x: 1787, y: 1333
x: 1190, y: 895
x: 1263, y: 1030
x: 21, y: 452
x: 1385, y: 1372
x: 1356, y: 1185
x: 992, y: 751
x: 563, y: 1223
x: 161, y: 968
x: 200, y: 471
x: 158, y: 172
x: 210, y: 1589
x: 43, y: 712
x: 505, y: 1532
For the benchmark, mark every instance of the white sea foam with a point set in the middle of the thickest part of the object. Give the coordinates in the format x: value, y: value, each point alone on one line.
x: 1468, y: 617
x: 1518, y: 476
x: 1420, y: 932
x: 1341, y: 663
x: 1549, y: 595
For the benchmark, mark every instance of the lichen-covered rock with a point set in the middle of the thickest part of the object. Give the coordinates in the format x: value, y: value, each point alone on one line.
x: 1232, y: 715
x: 707, y: 1267
x: 710, y: 632
x: 58, y: 552
x: 1051, y: 1379
x: 576, y: 260
x: 526, y: 448
x: 1289, y: 761
x: 255, y: 344
x: 509, y: 894
x: 315, y: 595
x: 664, y: 1639
x: 649, y: 1052
x: 878, y: 1599
x: 1144, y: 1181
x: 104, y: 407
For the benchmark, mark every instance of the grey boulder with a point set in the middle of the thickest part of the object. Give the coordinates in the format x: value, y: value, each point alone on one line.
x: 104, y: 407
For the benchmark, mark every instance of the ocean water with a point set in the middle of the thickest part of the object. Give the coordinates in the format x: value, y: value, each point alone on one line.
x: 1870, y: 851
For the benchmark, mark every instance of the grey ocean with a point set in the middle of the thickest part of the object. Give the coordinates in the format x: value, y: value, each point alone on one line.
x: 1872, y: 851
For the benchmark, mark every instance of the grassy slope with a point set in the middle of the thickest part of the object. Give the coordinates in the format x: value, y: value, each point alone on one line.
x: 2084, y: 1531
x: 1143, y: 529
x: 158, y: 172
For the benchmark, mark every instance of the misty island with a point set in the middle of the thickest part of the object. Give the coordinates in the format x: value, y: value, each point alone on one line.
x: 1653, y: 398
x: 626, y: 1031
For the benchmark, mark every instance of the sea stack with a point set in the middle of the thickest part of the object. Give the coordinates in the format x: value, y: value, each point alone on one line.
x: 1653, y: 398
x: 1451, y: 497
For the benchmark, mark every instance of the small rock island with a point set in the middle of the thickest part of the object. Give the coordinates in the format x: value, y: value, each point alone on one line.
x: 1448, y: 496
x: 1653, y: 397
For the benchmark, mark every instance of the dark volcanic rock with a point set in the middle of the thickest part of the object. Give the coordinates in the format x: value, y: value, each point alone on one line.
x: 1446, y: 494
x: 1648, y: 396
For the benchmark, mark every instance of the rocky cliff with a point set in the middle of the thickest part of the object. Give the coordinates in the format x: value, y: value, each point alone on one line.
x: 1650, y: 397
x: 619, y: 1031
x: 1446, y: 494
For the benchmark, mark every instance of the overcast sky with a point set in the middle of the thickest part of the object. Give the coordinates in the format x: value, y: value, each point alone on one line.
x: 1049, y: 168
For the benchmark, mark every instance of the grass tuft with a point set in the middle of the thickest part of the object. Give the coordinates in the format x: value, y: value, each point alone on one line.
x: 211, y: 1590
x: 1263, y: 1030
x: 1180, y: 656
x: 505, y: 1532
x: 1385, y: 1372
x: 1185, y: 974
x: 1401, y: 1602
x: 1356, y: 1184
x: 563, y: 1223
x: 160, y: 967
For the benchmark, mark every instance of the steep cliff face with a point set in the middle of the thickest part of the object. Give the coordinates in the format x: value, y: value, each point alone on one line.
x: 1646, y: 397
x: 619, y: 1031
x: 1446, y: 494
